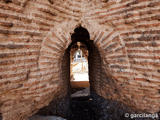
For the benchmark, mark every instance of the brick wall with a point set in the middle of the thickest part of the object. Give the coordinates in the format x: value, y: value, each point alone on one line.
x: 60, y: 105
x: 34, y: 35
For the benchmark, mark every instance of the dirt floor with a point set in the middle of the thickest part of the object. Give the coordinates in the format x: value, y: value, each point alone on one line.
x: 81, y: 109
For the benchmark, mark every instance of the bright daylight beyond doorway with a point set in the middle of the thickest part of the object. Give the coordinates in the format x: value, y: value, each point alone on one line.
x: 79, y: 66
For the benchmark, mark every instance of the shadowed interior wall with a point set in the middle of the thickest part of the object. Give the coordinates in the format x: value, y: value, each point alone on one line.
x: 0, y: 116
x: 60, y: 106
x: 103, y: 87
x: 96, y: 73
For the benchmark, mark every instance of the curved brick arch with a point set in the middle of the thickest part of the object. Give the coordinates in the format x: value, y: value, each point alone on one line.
x: 59, y: 38
x: 57, y: 41
x: 53, y: 49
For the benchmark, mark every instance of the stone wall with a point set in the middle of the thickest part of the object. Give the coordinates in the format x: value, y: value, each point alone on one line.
x: 34, y: 35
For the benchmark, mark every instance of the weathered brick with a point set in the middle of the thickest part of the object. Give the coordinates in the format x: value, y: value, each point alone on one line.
x: 34, y: 35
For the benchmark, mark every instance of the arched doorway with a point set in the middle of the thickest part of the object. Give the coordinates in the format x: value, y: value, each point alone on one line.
x: 101, y: 83
x: 80, y: 89
x: 62, y: 104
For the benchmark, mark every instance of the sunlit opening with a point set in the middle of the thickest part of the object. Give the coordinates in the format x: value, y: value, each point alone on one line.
x: 79, y: 65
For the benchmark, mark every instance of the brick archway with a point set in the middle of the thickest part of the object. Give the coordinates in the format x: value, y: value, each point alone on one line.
x: 52, y: 53
x: 51, y: 60
x: 57, y: 41
x: 125, y: 32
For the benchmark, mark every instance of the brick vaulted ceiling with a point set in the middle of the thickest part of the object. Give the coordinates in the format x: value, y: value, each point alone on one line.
x: 35, y: 33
